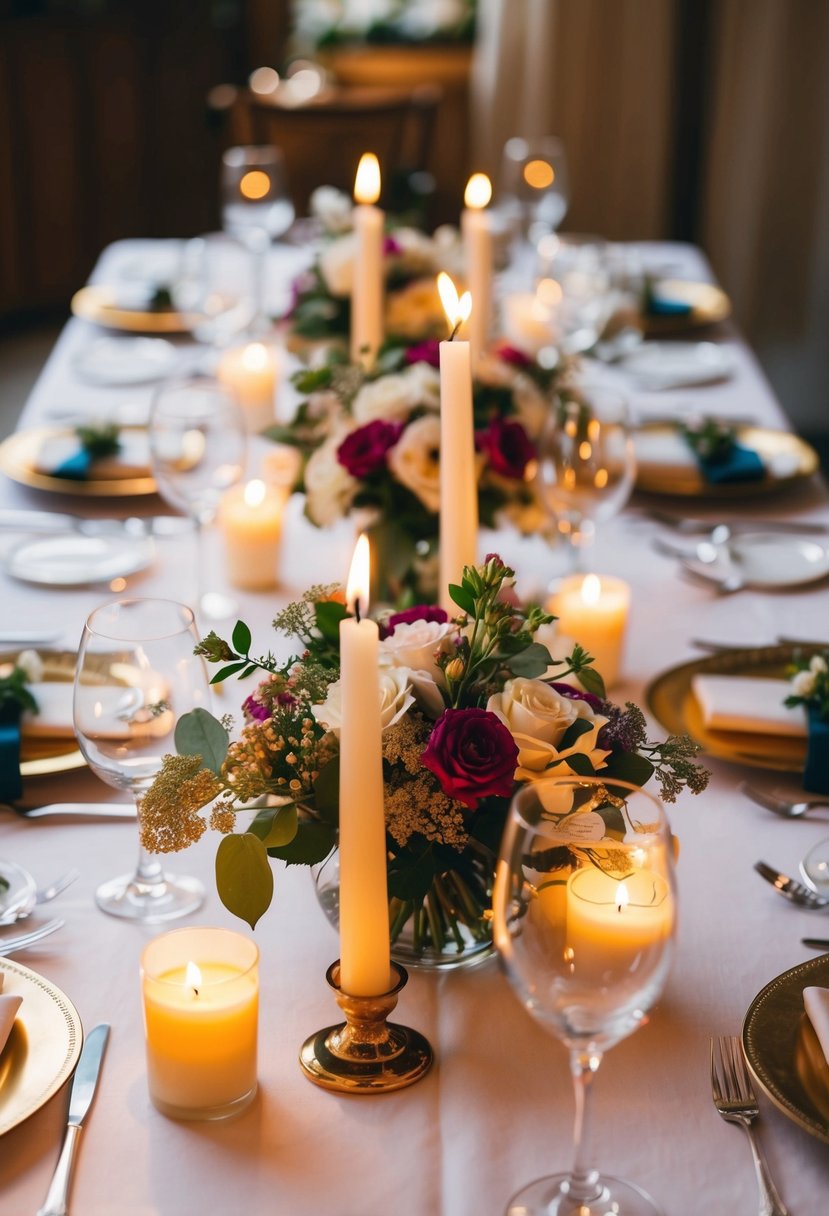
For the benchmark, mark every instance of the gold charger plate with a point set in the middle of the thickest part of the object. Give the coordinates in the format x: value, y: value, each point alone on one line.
x: 43, y: 1048
x: 783, y: 1051
x: 787, y: 458
x: 99, y: 304
x: 18, y: 460
x: 708, y: 306
x: 40, y: 757
x: 671, y: 700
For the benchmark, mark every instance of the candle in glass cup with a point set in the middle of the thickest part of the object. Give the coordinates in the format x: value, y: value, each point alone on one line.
x: 458, y: 471
x: 477, y: 239
x: 200, y: 989
x: 251, y: 372
x: 613, y: 921
x: 364, y: 903
x: 593, y: 611
x: 367, y: 292
x: 250, y: 522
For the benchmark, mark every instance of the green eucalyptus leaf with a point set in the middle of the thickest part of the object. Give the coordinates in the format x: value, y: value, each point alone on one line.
x: 591, y: 681
x: 463, y: 598
x: 327, y: 792
x: 198, y: 733
x: 244, y: 878
x: 531, y: 662
x: 312, y: 843
x: 574, y: 731
x: 580, y: 764
x: 227, y: 672
x: 275, y: 826
x: 241, y: 638
x: 628, y: 766
x: 328, y: 614
x: 411, y: 877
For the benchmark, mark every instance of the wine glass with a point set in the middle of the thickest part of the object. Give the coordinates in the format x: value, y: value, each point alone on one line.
x: 584, y: 912
x: 586, y: 463
x: 534, y: 188
x: 256, y: 209
x: 197, y: 451
x: 136, y: 674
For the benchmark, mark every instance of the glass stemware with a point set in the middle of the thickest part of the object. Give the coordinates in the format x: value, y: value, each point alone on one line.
x: 197, y: 449
x: 136, y: 674
x: 584, y: 912
x: 586, y: 463
x: 534, y: 190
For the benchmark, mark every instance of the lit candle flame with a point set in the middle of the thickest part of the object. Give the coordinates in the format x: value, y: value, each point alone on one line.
x: 591, y: 589
x: 254, y: 185
x: 622, y: 897
x: 356, y: 591
x: 457, y: 310
x: 192, y: 977
x: 478, y: 191
x: 367, y: 181
x: 254, y: 494
x: 255, y: 357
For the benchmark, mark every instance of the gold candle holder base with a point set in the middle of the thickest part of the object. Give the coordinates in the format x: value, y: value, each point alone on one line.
x: 365, y: 1054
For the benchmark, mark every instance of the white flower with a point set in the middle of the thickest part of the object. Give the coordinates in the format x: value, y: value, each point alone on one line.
x: 395, y: 699
x: 390, y: 398
x: 414, y: 644
x: 31, y: 664
x: 424, y: 385
x: 537, y: 717
x: 415, y: 311
x: 803, y: 684
x: 336, y: 264
x: 818, y: 665
x: 329, y: 487
x: 415, y: 460
x: 332, y: 207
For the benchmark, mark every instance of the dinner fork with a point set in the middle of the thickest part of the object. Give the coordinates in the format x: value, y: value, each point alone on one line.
x: 22, y: 941
x: 790, y: 888
x: 735, y: 1101
x: 42, y: 895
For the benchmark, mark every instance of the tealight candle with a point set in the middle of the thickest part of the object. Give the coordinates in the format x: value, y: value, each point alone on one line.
x: 612, y: 923
x: 477, y: 239
x: 251, y: 371
x: 200, y: 991
x: 530, y: 319
x: 594, y: 612
x: 367, y: 293
x: 250, y: 522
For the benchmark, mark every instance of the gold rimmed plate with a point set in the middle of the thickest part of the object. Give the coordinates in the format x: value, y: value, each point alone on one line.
x: 42, y: 755
x: 670, y: 698
x: 21, y: 453
x: 704, y: 304
x: 666, y: 464
x: 102, y: 305
x: 43, y: 1048
x: 783, y: 1051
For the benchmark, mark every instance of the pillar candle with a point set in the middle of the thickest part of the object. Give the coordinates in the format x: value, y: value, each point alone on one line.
x: 458, y: 471
x: 367, y: 292
x: 594, y: 612
x: 200, y: 989
x: 250, y: 522
x: 364, y: 902
x: 477, y: 239
x: 612, y: 923
x: 251, y: 371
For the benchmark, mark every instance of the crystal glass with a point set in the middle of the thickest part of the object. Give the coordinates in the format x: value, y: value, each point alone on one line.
x: 256, y: 209
x: 136, y: 674
x: 584, y: 912
x: 534, y: 190
x: 214, y: 287
x: 197, y: 449
x: 586, y: 463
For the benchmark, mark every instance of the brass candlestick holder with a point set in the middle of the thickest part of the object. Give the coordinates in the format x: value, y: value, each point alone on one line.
x: 365, y: 1054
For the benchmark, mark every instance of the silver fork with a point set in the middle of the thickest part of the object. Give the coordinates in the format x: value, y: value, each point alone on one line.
x: 790, y: 888
x: 735, y: 1101
x: 22, y: 941
x: 43, y: 895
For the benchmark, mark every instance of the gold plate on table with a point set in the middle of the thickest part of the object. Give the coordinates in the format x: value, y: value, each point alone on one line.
x: 18, y: 460
x: 708, y: 305
x: 671, y: 701
x: 43, y: 755
x: 99, y: 304
x: 43, y: 1048
x: 787, y: 458
x: 783, y: 1051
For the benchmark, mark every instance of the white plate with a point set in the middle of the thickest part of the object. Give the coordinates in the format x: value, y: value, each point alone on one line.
x: 770, y: 560
x: 74, y: 561
x: 663, y: 365
x: 19, y: 895
x: 126, y: 360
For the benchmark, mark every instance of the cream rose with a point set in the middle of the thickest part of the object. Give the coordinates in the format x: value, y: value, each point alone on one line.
x: 415, y: 310
x: 336, y: 264
x: 414, y: 645
x: 395, y: 698
x: 423, y: 382
x: 538, y: 718
x: 390, y: 399
x: 415, y: 460
x: 329, y: 488
x: 332, y: 207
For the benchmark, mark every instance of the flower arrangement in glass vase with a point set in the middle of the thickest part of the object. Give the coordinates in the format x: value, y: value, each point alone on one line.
x: 472, y: 707
x: 370, y: 447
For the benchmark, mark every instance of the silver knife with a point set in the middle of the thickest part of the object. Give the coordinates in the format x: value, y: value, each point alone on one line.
x: 55, y: 521
x: 84, y: 1085
x: 86, y: 810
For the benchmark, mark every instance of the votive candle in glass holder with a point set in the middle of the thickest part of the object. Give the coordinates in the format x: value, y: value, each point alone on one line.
x: 200, y: 989
x: 250, y: 522
x: 593, y: 611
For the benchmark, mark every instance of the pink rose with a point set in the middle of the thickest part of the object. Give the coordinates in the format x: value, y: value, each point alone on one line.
x: 472, y: 754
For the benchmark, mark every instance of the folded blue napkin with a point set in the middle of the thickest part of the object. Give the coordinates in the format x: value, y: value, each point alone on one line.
x: 76, y: 467
x: 816, y: 772
x: 721, y: 459
x: 11, y: 786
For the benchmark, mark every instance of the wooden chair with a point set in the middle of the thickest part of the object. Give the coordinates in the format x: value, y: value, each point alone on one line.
x: 323, y: 139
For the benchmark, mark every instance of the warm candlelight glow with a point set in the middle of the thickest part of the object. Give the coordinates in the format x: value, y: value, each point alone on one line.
x: 622, y: 897
x: 539, y: 174
x: 255, y: 492
x: 192, y: 977
x: 255, y: 357
x: 356, y: 592
x: 591, y: 589
x: 478, y: 191
x: 254, y: 185
x: 457, y: 310
x: 367, y: 181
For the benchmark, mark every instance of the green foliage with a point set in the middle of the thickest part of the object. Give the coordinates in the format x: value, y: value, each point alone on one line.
x: 276, y: 826
x: 244, y: 878
x: 198, y: 733
x: 312, y: 844
x: 100, y: 440
x: 15, y: 697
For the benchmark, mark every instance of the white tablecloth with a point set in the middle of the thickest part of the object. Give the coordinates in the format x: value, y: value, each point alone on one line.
x: 497, y: 1109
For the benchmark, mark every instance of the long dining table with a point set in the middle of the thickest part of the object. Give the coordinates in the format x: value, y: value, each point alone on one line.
x: 496, y: 1110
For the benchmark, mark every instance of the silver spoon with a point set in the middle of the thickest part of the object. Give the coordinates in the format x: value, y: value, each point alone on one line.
x: 790, y: 888
x: 780, y: 806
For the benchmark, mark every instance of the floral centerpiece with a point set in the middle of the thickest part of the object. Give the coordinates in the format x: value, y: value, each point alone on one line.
x: 472, y: 707
x: 370, y: 447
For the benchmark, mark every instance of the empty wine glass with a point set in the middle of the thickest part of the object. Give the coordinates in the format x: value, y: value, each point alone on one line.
x: 584, y: 913
x: 197, y: 450
x: 256, y: 209
x: 136, y: 674
x: 534, y: 190
x: 586, y: 463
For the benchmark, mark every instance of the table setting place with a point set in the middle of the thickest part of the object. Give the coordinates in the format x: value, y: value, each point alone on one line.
x: 414, y: 683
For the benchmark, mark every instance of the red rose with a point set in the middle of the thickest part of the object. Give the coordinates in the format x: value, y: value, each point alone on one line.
x: 507, y: 448
x: 472, y: 754
x: 363, y: 452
